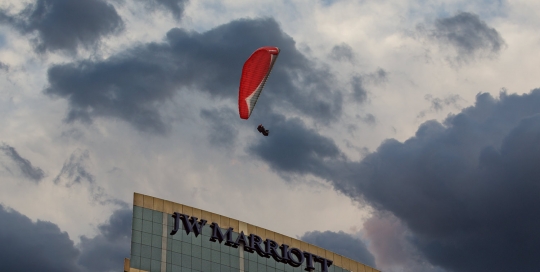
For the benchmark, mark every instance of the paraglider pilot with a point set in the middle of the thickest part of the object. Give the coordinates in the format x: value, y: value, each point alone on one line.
x: 261, y: 129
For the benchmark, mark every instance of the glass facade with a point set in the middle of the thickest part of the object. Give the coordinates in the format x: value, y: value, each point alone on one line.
x: 154, y: 249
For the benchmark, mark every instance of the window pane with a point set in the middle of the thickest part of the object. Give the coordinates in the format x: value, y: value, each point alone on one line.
x: 225, y: 268
x: 196, y: 264
x: 156, y: 266
x: 145, y: 264
x: 135, y: 262
x: 137, y: 224
x: 206, y: 266
x: 235, y: 262
x: 206, y: 243
x: 215, y: 267
x: 225, y: 259
x: 157, y: 217
x: 147, y: 214
x: 176, y: 259
x: 196, y: 251
x: 156, y: 254
x: 147, y: 226
x: 196, y: 240
x: 216, y: 256
x: 186, y: 261
x: 207, y: 231
x: 156, y: 241
x: 176, y: 246
x: 146, y: 251
x: 136, y: 237
x: 135, y: 249
x: 169, y: 256
x: 206, y: 254
x: 186, y: 249
x: 137, y: 212
x: 157, y: 228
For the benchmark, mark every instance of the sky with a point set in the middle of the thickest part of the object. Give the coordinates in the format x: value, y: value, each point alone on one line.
x: 403, y: 134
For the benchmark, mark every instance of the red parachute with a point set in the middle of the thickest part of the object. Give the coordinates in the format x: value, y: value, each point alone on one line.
x: 254, y: 76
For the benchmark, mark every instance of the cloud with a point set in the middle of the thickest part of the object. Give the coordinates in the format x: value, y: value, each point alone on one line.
x: 358, y: 82
x: 65, y: 25
x: 222, y: 132
x: 385, y: 235
x: 438, y: 104
x: 368, y: 119
x: 2, y: 37
x: 390, y: 241
x: 378, y: 77
x: 327, y: 3
x: 29, y: 246
x: 340, y: 243
x: 294, y: 148
x: 25, y: 166
x: 133, y: 85
x: 42, y: 246
x: 74, y: 170
x: 342, y: 52
x: 359, y: 93
x: 465, y: 188
x: 105, y: 251
x: 4, y: 66
x: 176, y: 7
x: 468, y: 35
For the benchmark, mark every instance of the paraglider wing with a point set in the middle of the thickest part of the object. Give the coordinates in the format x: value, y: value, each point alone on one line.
x: 254, y: 76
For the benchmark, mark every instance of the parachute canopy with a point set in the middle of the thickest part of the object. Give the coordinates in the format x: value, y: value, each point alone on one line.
x: 254, y: 76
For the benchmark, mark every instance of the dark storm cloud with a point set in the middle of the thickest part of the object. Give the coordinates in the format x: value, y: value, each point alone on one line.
x: 294, y: 148
x: 222, y: 132
x: 107, y: 250
x: 64, y: 25
x: 42, y: 246
x: 467, y: 189
x: 341, y: 243
x: 176, y: 7
x: 29, y: 246
x: 342, y: 52
x: 134, y: 84
x: 468, y: 34
x: 33, y: 173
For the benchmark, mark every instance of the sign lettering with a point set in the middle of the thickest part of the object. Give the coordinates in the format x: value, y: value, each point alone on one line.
x: 252, y: 243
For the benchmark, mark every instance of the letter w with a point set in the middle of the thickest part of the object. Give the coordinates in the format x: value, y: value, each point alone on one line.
x: 192, y: 225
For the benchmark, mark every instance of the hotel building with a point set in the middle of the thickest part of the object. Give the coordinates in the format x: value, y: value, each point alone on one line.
x: 172, y: 237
